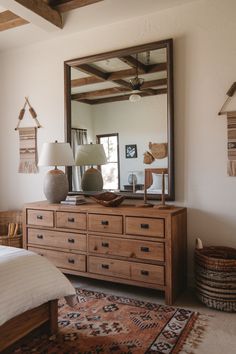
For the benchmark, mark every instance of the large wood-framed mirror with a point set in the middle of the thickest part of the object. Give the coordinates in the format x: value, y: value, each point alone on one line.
x: 99, y: 109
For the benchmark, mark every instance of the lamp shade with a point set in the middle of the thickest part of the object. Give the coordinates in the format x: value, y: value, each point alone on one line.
x: 56, y: 154
x: 90, y: 154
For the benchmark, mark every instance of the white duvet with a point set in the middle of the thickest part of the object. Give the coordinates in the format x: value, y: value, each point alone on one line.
x: 28, y: 280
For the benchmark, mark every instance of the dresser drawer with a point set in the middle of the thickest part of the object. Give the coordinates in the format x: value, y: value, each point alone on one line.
x: 106, y: 266
x: 144, y: 226
x: 105, y: 223
x: 71, y: 220
x: 148, y: 273
x: 126, y: 248
x: 40, y: 217
x: 57, y: 239
x: 63, y: 259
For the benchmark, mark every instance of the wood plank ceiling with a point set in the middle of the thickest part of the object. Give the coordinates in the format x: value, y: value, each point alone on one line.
x: 50, y: 10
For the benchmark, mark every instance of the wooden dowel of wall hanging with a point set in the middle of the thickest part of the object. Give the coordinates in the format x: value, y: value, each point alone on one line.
x: 229, y: 93
x: 33, y: 113
x: 21, y: 115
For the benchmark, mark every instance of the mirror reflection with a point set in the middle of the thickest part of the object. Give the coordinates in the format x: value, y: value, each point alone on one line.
x: 122, y: 103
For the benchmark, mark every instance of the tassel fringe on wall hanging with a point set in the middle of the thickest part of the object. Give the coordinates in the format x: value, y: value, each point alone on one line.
x: 28, y: 142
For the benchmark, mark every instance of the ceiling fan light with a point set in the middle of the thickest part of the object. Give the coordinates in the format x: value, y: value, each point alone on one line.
x: 135, y: 97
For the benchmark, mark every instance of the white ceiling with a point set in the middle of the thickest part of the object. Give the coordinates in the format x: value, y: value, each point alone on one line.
x: 98, y: 14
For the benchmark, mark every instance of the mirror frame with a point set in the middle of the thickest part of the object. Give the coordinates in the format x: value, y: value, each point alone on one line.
x: 168, y: 44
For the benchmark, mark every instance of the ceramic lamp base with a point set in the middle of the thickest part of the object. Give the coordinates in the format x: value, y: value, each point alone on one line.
x: 92, y: 180
x: 55, y: 186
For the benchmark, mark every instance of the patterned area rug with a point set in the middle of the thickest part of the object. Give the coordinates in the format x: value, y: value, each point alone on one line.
x: 102, y: 323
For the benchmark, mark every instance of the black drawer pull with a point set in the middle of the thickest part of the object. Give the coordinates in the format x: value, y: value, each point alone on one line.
x: 105, y: 266
x: 71, y: 219
x: 144, y: 272
x: 40, y: 236
x: 105, y: 244
x: 105, y: 222
x: 144, y: 249
x: 71, y: 240
x: 40, y: 217
x: 144, y: 226
x: 41, y: 254
x: 71, y: 260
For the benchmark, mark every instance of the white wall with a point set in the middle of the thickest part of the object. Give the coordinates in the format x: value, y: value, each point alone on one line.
x: 81, y: 117
x: 204, y: 67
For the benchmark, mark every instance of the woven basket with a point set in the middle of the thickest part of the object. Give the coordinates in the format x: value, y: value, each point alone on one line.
x: 7, y: 217
x: 215, y: 275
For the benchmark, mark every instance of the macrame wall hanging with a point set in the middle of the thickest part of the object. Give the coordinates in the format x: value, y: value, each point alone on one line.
x: 231, y: 132
x: 28, y: 141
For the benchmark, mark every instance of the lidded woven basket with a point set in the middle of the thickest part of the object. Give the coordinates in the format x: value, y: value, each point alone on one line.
x: 215, y: 277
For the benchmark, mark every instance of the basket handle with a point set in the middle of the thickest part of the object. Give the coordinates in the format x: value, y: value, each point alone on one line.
x: 198, y: 244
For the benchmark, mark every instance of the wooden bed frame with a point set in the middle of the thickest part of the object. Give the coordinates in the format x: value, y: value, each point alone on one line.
x: 20, y: 326
x: 148, y: 174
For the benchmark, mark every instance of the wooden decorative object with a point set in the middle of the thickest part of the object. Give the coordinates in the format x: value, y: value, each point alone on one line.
x: 108, y: 199
x: 147, y: 184
x: 163, y: 196
x: 215, y: 269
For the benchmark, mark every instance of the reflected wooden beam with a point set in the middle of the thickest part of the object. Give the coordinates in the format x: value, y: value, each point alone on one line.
x: 99, y: 93
x: 86, y: 81
x: 9, y: 20
x: 116, y: 75
x: 120, y: 98
x: 88, y: 69
x: 42, y: 9
x: 147, y: 86
x: 154, y: 68
x: 134, y: 63
x: 68, y: 5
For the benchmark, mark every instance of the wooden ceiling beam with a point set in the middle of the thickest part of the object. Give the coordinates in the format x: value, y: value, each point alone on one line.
x: 121, y: 97
x: 147, y: 86
x: 116, y: 75
x: 86, y: 81
x: 42, y: 9
x: 153, y: 68
x: 68, y: 5
x: 88, y: 69
x: 134, y: 63
x: 9, y: 20
x: 99, y: 93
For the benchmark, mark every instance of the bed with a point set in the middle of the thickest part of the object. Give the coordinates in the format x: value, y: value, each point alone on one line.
x: 30, y: 287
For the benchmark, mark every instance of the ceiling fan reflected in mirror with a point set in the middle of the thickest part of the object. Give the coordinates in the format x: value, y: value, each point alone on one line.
x: 136, y: 84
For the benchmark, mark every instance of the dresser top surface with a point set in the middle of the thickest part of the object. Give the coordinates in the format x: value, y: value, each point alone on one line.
x: 92, y: 207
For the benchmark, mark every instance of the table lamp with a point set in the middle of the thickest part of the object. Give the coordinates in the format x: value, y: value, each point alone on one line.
x: 89, y: 155
x: 56, y: 184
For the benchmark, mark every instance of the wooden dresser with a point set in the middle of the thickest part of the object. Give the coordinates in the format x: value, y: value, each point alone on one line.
x: 138, y: 246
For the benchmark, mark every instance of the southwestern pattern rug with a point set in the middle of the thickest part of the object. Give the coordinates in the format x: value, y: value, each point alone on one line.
x: 103, y: 324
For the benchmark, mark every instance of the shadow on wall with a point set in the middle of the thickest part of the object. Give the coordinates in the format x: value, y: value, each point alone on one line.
x: 212, y: 229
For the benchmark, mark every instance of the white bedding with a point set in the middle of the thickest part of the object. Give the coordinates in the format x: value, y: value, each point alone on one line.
x: 28, y: 280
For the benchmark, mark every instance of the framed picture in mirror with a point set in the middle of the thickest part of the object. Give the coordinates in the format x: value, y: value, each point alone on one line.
x: 131, y: 151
